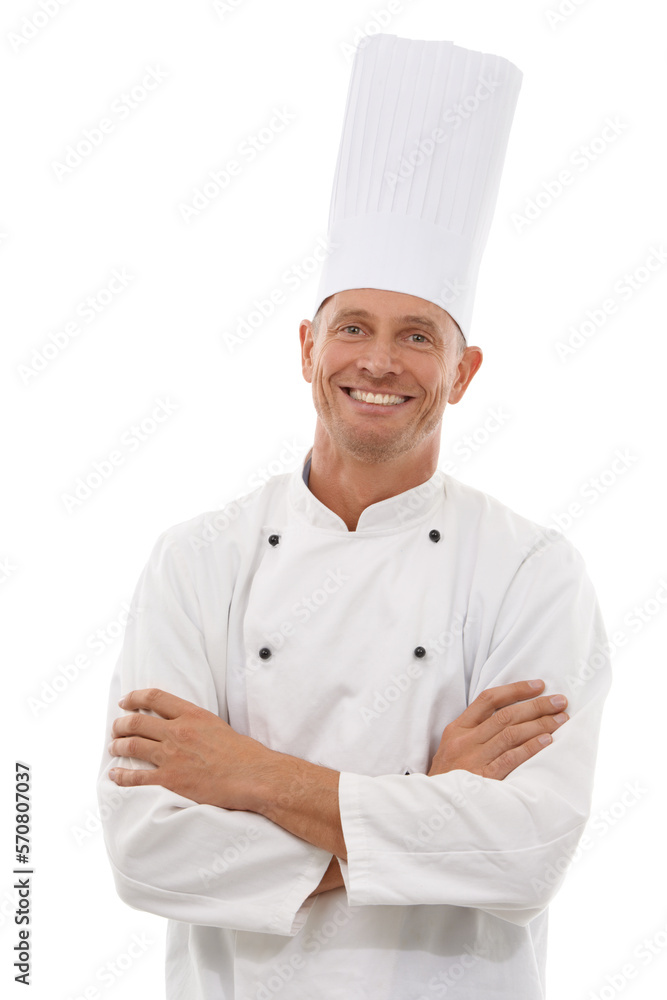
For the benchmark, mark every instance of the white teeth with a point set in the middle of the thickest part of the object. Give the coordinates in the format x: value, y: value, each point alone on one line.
x: 369, y: 397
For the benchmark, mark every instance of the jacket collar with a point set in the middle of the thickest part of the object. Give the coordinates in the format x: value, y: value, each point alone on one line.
x: 403, y: 510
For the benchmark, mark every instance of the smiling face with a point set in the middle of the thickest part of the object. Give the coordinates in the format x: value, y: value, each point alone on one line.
x: 383, y: 366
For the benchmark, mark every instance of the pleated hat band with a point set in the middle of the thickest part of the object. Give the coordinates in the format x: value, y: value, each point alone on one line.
x: 424, y: 139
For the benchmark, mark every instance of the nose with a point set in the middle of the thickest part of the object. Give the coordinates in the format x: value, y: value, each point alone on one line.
x: 380, y: 356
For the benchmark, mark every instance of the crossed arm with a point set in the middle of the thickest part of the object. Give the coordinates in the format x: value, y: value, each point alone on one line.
x: 196, y: 754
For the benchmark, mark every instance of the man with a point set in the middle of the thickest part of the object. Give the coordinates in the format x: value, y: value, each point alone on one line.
x: 357, y: 778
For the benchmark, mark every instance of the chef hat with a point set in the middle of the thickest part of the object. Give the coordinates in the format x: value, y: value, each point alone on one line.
x: 424, y: 138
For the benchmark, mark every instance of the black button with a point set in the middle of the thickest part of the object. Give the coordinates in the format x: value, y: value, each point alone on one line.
x: 265, y: 653
x: 274, y: 539
x: 434, y: 535
x: 420, y: 651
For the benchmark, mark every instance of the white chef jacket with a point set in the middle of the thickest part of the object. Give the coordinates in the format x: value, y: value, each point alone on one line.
x: 373, y: 641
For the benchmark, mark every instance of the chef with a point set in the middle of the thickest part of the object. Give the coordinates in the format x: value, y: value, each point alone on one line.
x: 342, y: 766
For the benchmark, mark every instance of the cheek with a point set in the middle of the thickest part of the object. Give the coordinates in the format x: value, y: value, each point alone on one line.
x: 438, y: 379
x: 329, y: 359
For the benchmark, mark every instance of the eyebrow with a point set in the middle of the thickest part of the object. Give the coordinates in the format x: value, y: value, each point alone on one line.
x: 364, y: 314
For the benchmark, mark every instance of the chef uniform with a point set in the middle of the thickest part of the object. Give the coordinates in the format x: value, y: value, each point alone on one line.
x: 354, y: 650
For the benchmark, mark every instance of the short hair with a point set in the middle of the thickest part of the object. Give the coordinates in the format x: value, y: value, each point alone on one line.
x: 460, y: 339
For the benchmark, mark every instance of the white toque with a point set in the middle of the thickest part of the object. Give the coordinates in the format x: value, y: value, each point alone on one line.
x: 425, y: 132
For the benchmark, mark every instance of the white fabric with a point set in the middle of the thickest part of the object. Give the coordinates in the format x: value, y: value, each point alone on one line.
x: 448, y: 878
x: 424, y: 138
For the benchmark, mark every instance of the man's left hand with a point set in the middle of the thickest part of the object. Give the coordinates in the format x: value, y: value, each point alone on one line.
x: 196, y: 754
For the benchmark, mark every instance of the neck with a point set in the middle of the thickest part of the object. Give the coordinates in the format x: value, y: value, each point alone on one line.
x: 347, y: 484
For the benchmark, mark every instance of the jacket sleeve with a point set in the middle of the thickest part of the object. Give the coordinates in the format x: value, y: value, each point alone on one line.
x: 501, y: 846
x: 169, y: 855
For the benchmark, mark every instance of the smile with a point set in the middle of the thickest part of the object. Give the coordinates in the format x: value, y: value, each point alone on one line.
x: 377, y: 399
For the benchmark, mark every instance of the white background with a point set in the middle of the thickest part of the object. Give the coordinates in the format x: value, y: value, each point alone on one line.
x: 66, y: 572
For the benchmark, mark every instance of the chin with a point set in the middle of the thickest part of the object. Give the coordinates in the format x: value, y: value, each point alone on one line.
x: 376, y: 451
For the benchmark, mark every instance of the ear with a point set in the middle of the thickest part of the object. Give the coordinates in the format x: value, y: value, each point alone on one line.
x: 307, y: 346
x: 469, y: 363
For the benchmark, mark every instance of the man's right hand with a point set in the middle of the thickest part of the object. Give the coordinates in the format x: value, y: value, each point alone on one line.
x: 499, y: 730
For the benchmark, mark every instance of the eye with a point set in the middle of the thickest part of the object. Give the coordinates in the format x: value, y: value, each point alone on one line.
x: 424, y: 338
x: 352, y: 327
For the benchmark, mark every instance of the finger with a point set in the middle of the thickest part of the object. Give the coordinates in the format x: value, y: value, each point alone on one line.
x: 507, y: 762
x: 127, y: 777
x: 493, y: 698
x: 169, y: 706
x: 516, y: 736
x: 153, y: 751
x: 152, y: 727
x: 526, y: 711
